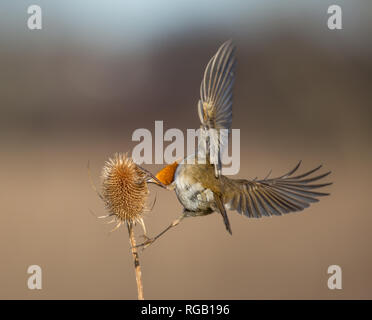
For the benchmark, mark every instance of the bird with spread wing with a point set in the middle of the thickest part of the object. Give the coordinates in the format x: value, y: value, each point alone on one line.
x: 202, y: 189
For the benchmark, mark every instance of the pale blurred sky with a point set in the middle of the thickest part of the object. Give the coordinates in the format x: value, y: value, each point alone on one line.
x: 124, y: 25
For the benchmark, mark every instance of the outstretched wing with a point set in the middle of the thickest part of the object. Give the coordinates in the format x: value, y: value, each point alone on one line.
x: 275, y: 196
x: 216, y: 96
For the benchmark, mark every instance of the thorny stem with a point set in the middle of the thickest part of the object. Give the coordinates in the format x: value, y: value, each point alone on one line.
x: 137, y: 267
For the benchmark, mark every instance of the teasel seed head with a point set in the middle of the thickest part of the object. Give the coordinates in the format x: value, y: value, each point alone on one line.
x: 124, y: 189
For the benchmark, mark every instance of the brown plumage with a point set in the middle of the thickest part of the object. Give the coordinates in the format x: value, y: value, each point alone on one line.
x: 202, y: 189
x: 201, y: 192
x: 277, y: 196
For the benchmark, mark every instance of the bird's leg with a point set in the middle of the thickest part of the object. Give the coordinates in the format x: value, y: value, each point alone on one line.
x: 150, y: 241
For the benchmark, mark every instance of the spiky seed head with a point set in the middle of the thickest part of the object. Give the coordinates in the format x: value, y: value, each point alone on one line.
x: 124, y: 188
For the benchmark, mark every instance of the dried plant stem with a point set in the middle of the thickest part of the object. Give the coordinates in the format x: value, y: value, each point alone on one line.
x: 137, y: 267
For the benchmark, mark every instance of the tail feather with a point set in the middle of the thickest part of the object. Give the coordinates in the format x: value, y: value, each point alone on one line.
x: 222, y: 210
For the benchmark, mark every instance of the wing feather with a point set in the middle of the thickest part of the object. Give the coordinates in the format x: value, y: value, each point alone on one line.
x: 216, y: 95
x: 277, y: 196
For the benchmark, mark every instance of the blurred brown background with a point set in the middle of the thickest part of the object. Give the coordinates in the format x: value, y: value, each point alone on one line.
x: 76, y: 90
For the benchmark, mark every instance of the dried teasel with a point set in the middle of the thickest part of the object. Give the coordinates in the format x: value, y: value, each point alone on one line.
x: 124, y: 193
x: 124, y: 189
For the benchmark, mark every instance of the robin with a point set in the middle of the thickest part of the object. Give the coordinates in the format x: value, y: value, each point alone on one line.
x: 199, y: 185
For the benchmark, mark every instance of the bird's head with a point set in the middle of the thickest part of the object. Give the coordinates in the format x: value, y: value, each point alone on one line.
x: 166, y: 175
